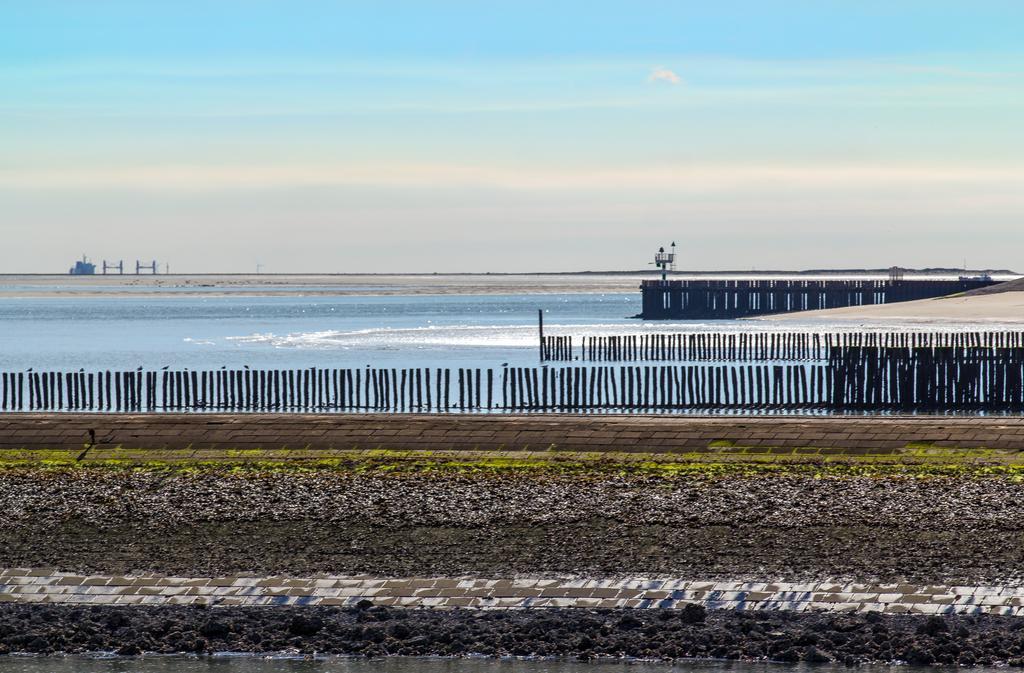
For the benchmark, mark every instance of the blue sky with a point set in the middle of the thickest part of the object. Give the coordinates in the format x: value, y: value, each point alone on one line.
x: 467, y: 136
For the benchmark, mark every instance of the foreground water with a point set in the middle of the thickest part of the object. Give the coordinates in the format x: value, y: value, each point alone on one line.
x: 122, y: 332
x: 391, y: 665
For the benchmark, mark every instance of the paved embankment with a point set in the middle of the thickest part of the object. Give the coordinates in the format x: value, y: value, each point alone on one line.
x: 319, y: 433
x: 782, y: 538
x: 44, y: 585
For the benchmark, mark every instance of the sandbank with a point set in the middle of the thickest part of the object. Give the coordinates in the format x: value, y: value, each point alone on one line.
x: 1002, y: 307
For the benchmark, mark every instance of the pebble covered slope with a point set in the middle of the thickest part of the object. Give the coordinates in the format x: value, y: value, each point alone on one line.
x: 772, y: 547
x: 797, y: 527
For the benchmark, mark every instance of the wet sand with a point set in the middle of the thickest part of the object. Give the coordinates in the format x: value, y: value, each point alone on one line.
x: 315, y: 285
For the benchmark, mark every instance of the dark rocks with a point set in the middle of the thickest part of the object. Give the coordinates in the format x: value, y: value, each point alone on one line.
x: 815, y: 656
x: 214, y: 629
x: 628, y: 622
x: 691, y: 613
x: 581, y: 633
x: 933, y: 626
x: 304, y: 625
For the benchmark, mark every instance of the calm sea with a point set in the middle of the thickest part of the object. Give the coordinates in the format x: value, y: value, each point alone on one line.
x: 106, y: 332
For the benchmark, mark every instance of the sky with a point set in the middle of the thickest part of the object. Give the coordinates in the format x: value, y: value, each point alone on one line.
x: 431, y: 136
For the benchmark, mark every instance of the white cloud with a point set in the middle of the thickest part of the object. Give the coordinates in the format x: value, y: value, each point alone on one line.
x: 662, y: 74
x: 676, y: 178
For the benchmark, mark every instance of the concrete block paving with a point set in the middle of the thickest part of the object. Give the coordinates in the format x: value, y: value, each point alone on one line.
x: 36, y: 585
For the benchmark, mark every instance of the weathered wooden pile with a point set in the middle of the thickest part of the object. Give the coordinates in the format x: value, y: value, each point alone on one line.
x: 934, y: 371
x: 758, y: 346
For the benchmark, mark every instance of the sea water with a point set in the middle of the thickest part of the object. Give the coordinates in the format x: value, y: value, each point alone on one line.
x: 209, y: 332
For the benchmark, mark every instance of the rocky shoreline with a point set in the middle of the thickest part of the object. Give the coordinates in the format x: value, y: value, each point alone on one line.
x: 959, y: 526
x: 577, y: 633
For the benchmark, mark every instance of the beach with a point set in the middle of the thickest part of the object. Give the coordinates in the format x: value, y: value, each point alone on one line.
x: 1003, y: 307
x: 312, y: 285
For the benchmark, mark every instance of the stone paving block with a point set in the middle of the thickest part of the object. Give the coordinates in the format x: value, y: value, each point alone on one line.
x: 222, y: 582
x: 69, y: 580
x: 461, y: 602
x: 120, y: 581
x: 432, y: 602
x: 192, y: 582
x: 229, y: 601
x: 128, y: 599
x: 19, y: 581
x: 511, y: 593
x: 993, y: 599
x: 40, y: 572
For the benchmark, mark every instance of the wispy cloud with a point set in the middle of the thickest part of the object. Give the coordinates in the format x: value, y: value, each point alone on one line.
x: 662, y: 74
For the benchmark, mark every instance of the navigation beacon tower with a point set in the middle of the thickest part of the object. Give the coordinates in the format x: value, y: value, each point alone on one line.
x: 666, y: 261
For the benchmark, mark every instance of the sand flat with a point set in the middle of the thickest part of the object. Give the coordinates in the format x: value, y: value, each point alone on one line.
x: 1001, y: 307
x: 251, y: 285
x: 271, y: 285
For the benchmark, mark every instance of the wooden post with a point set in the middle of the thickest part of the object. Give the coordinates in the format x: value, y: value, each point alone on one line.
x: 540, y: 331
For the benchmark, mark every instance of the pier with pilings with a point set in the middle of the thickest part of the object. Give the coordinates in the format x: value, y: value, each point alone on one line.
x: 724, y: 299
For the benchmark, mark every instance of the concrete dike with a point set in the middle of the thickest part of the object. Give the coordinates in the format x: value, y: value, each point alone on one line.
x: 788, y: 538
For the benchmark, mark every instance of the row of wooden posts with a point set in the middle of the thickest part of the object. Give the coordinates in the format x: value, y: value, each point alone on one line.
x: 758, y: 346
x: 922, y: 379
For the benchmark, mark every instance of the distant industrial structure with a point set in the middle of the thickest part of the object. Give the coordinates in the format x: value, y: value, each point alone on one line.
x: 84, y: 267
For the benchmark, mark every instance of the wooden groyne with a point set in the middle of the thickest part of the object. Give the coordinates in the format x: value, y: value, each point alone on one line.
x: 726, y: 299
x: 760, y: 346
x: 852, y: 378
